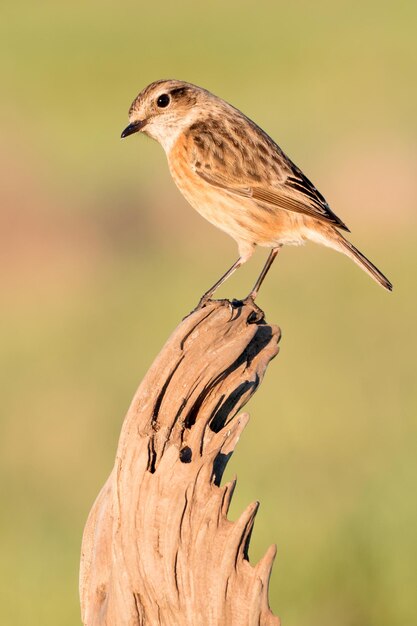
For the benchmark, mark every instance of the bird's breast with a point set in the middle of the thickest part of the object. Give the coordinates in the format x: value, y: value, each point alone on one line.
x: 242, y: 218
x: 213, y: 203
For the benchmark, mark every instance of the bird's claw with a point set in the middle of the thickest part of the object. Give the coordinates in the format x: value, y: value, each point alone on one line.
x: 256, y: 315
x: 204, y: 301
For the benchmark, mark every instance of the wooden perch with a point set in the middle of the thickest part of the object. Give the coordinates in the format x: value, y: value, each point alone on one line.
x: 158, y: 549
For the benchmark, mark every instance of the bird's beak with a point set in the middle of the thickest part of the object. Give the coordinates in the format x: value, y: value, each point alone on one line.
x: 134, y: 127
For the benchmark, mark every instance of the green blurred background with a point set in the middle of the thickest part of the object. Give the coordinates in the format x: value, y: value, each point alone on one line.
x: 101, y: 257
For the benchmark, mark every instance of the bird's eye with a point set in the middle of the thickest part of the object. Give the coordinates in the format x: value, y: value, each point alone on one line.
x: 163, y: 101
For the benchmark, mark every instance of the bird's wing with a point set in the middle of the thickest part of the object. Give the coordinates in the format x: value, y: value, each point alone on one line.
x: 290, y: 190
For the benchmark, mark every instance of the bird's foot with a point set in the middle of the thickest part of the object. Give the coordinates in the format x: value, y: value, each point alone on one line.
x: 256, y: 315
x: 206, y: 300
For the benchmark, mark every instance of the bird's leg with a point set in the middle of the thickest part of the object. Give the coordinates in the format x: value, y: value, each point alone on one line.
x: 262, y: 275
x: 207, y: 296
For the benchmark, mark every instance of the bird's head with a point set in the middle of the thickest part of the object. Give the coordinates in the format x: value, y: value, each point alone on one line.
x: 164, y: 109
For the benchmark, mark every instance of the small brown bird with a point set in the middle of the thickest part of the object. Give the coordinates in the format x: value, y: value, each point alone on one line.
x: 237, y: 177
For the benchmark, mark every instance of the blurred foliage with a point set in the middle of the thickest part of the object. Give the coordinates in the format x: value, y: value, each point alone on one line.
x: 101, y: 257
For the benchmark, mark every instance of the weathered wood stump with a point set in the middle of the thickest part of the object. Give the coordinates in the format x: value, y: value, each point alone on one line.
x: 158, y: 549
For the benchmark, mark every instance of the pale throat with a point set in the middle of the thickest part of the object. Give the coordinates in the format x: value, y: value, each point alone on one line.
x: 167, y: 133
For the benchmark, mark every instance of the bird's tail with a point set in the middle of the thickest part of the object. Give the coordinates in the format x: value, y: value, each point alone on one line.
x: 361, y: 260
x: 332, y: 238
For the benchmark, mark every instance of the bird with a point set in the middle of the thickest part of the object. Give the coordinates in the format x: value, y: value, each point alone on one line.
x: 235, y: 175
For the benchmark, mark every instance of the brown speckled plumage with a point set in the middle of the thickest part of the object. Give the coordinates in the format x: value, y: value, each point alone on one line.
x: 236, y: 176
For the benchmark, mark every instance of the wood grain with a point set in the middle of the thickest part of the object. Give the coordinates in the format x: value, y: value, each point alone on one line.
x: 158, y: 548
